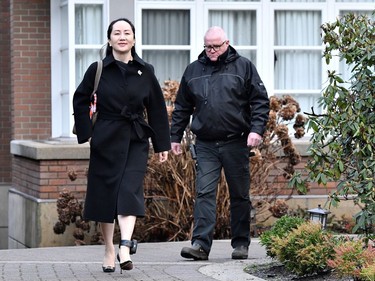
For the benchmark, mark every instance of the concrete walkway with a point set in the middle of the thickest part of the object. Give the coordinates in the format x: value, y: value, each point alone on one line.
x: 153, y: 261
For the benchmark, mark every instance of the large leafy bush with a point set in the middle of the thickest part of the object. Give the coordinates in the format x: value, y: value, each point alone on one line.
x: 343, y: 136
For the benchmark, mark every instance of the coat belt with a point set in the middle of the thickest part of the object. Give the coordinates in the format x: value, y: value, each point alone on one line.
x: 141, y: 127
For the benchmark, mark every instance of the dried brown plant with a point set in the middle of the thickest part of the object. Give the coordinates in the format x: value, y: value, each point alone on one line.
x: 69, y: 210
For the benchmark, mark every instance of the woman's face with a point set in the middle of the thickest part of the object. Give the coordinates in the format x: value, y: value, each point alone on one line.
x: 122, y: 37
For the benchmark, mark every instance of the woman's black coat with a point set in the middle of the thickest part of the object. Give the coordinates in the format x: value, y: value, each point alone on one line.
x: 127, y: 96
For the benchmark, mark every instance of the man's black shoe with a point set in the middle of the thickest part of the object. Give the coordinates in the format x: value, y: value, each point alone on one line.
x: 194, y: 252
x: 240, y: 253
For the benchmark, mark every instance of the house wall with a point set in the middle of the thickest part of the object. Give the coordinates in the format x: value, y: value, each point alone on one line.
x: 5, y: 119
x: 34, y: 168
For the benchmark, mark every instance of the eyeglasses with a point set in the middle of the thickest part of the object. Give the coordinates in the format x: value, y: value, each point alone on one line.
x: 213, y: 47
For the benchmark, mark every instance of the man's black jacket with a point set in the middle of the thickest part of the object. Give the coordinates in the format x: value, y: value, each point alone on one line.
x: 226, y: 98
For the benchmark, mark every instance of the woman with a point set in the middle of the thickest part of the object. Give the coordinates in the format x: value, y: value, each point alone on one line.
x: 119, y: 142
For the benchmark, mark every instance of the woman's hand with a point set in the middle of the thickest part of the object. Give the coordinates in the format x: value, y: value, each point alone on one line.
x: 163, y: 156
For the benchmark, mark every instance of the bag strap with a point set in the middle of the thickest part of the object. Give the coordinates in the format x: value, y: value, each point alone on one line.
x: 98, y: 74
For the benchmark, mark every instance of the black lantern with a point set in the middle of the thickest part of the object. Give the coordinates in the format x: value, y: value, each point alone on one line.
x: 319, y: 215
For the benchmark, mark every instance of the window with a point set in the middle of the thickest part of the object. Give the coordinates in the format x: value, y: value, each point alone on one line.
x: 166, y: 41
x: 77, y: 38
x: 241, y: 29
x: 88, y: 27
x: 297, y: 54
x: 281, y: 37
x: 172, y: 34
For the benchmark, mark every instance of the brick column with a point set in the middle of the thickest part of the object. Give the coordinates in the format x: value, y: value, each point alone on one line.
x: 30, y: 69
x: 40, y: 173
x: 5, y: 120
x: 5, y: 93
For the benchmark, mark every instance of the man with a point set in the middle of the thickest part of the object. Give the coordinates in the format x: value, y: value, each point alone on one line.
x: 229, y: 104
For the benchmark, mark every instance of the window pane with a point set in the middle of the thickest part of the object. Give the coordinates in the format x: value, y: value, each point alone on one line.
x: 240, y: 26
x: 297, y: 28
x: 65, y: 71
x: 83, y: 59
x: 65, y: 107
x: 64, y: 49
x: 250, y: 54
x: 298, y: 70
x: 88, y: 24
x: 64, y: 27
x: 169, y: 65
x: 166, y: 27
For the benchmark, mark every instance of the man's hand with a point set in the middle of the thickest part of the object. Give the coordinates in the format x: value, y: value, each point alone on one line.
x: 176, y: 148
x: 253, y: 140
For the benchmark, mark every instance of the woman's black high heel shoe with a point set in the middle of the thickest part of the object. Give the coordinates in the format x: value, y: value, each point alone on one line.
x: 132, y: 245
x: 109, y: 268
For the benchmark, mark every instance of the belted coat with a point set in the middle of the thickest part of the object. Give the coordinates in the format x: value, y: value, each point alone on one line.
x: 131, y: 111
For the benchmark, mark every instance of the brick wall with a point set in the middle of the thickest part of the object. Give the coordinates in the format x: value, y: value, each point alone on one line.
x: 45, y: 179
x: 276, y: 177
x: 31, y: 69
x: 5, y: 93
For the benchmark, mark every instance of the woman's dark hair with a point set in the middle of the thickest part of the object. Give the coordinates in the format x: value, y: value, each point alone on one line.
x: 109, y: 31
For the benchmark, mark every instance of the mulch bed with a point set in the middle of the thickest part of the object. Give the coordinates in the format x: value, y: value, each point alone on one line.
x: 277, y: 272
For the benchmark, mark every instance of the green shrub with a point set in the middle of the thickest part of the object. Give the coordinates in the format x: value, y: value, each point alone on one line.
x: 280, y: 229
x: 305, y: 250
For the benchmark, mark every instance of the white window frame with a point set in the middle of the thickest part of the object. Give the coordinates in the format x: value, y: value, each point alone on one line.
x: 199, y: 13
x: 237, y: 6
x: 281, y: 6
x: 265, y: 49
x: 165, y: 5
x: 199, y: 9
x: 61, y: 124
